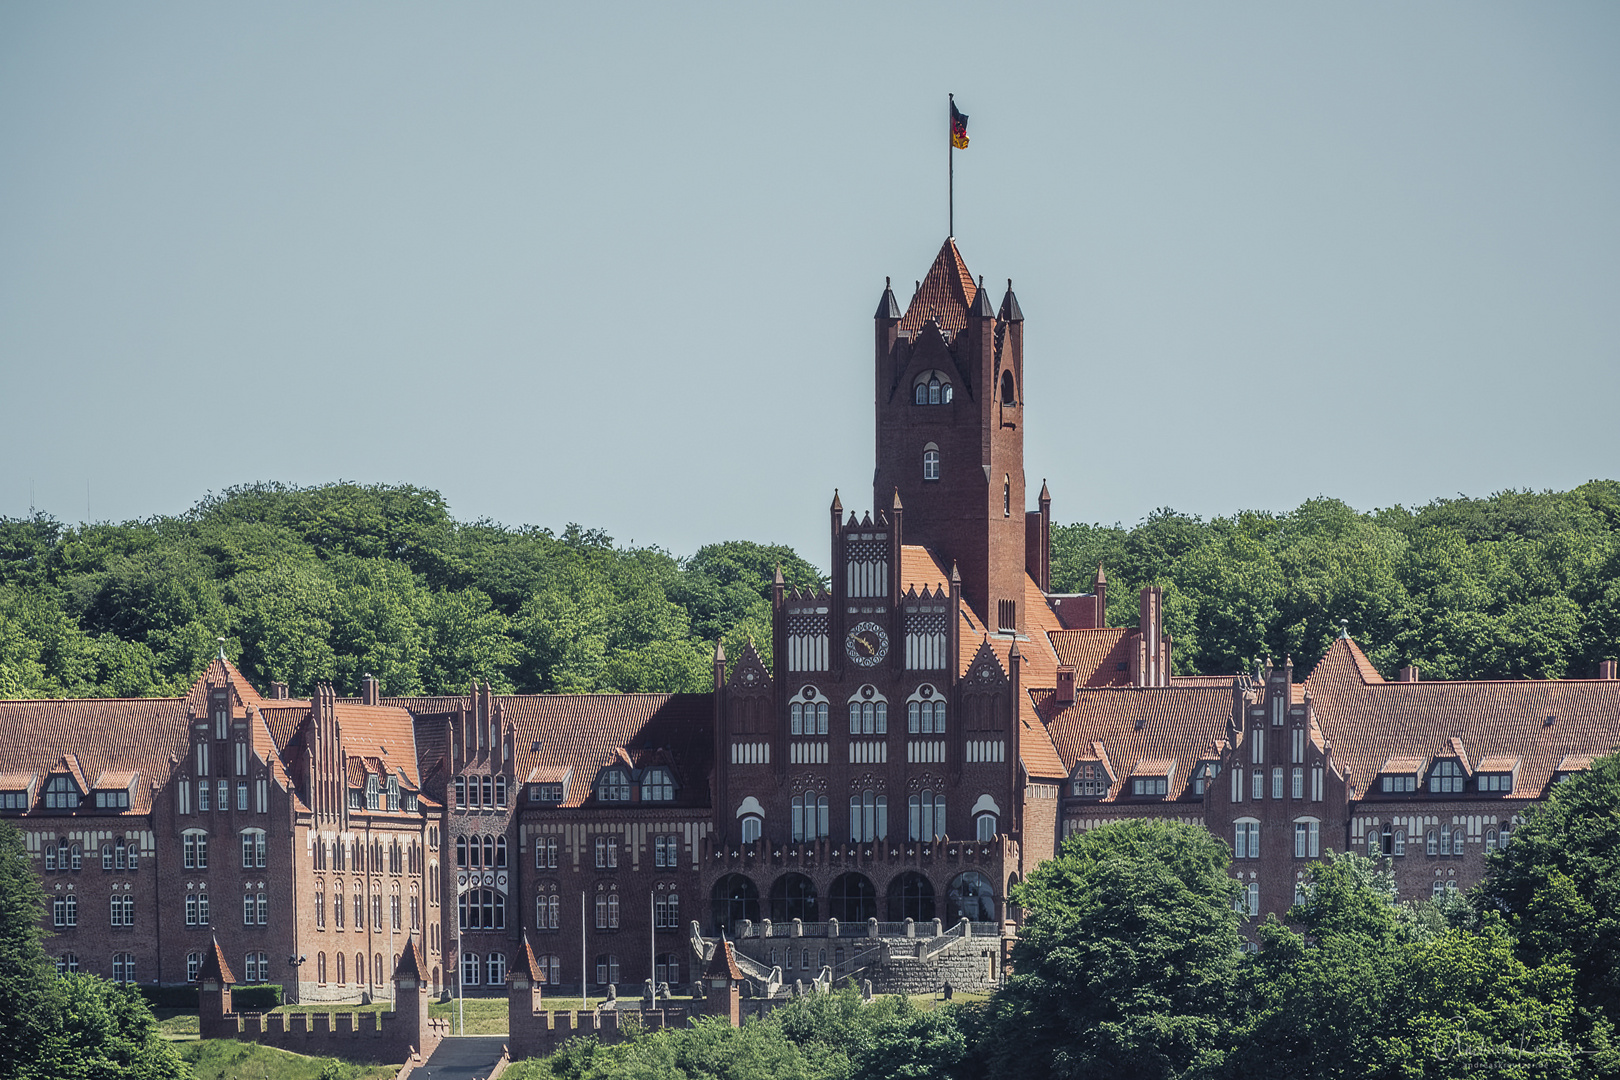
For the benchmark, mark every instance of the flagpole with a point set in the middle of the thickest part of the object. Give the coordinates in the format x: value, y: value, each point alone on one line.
x: 950, y: 157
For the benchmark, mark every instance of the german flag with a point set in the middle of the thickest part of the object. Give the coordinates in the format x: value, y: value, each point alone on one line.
x: 959, y: 138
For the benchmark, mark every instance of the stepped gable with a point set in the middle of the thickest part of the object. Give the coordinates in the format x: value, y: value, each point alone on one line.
x: 558, y: 732
x: 1099, y: 657
x: 100, y: 737
x: 919, y: 569
x: 1138, y: 725
x: 944, y: 296
x: 1038, y: 665
x: 1370, y: 721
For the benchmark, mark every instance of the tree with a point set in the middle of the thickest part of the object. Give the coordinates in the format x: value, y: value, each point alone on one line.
x: 1127, y: 961
x: 1557, y: 884
x: 28, y: 986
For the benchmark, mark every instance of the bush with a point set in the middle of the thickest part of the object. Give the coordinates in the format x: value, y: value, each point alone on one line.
x: 256, y: 998
x: 170, y: 997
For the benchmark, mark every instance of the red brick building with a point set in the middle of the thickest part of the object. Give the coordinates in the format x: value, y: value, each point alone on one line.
x: 931, y: 728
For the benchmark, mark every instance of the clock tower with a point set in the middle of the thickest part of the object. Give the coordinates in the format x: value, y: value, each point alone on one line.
x: 949, y: 377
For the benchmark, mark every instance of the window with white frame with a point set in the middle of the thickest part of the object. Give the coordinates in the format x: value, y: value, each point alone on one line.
x: 1090, y: 781
x: 61, y: 793
x: 1246, y: 839
x: 123, y: 967
x: 1277, y: 782
x: 469, y: 969
x: 193, y: 966
x: 657, y: 785
x: 614, y: 785
x: 869, y: 817
x: 667, y: 910
x: 1257, y: 745
x: 607, y: 852
x: 1307, y: 839
x: 925, y: 816
x: 495, y: 968
x: 545, y: 853
x: 810, y: 817
x: 547, y: 911
x: 1397, y: 783
x: 666, y: 851
x: 256, y: 967
x: 252, y: 849
x: 1259, y: 785
x: 1446, y: 777
x: 123, y: 910
x: 607, y: 911
x: 752, y: 827
x: 930, y: 462
x: 1297, y: 788
x: 1204, y: 776
x: 1298, y: 755
x: 607, y: 970
x: 1150, y: 785
x: 194, y: 849
x: 986, y: 826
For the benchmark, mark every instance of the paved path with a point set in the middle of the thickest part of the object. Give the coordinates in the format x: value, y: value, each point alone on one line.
x: 466, y: 1057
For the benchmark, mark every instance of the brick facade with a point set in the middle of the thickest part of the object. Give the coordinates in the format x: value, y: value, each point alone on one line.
x: 933, y: 724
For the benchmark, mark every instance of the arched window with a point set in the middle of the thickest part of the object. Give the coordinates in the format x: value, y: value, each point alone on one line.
x: 932, y: 388
x: 1432, y: 843
x: 1372, y: 843
x: 550, y: 968
x: 986, y: 824
x: 752, y: 827
x: 852, y: 898
x: 547, y: 911
x: 194, y: 849
x: 970, y: 894
x: 1008, y: 390
x: 735, y: 898
x: 469, y: 969
x: 930, y: 462
x: 657, y: 785
x: 252, y: 849
x: 193, y: 966
x: 1445, y: 841
x: 925, y: 816
x: 810, y: 817
x: 868, y: 817
x: 1457, y: 842
x: 793, y: 896
x: 925, y: 712
x: 342, y: 973
x: 489, y: 851
x: 1490, y: 839
x: 123, y: 967
x: 911, y: 896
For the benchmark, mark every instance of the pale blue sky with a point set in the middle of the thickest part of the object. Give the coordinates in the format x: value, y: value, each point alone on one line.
x: 615, y: 264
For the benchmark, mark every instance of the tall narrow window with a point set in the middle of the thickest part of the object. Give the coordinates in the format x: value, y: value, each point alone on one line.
x: 1006, y: 495
x: 1298, y: 788
x: 931, y: 462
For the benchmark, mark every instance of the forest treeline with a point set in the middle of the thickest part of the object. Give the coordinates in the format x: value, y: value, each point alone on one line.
x: 332, y: 582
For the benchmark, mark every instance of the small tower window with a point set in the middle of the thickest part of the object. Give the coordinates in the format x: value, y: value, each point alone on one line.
x: 1006, y: 495
x: 932, y: 389
x: 1007, y: 389
x: 930, y: 462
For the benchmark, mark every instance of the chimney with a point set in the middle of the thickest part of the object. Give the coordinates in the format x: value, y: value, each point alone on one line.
x: 1409, y: 673
x: 1606, y: 669
x: 1065, y: 684
x: 1151, y: 627
x: 278, y: 691
x: 370, y: 690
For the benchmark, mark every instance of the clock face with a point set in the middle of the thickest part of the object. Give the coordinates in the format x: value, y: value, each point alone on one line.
x: 867, y: 644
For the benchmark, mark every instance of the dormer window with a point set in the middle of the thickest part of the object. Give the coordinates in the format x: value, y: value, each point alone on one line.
x: 1090, y: 780
x: 1396, y: 784
x: 657, y: 786
x: 1150, y: 785
x: 1205, y: 775
x: 112, y: 800
x: 1446, y: 777
x: 546, y: 793
x: 614, y: 786
x: 932, y: 388
x: 373, y: 791
x: 61, y: 793
x: 393, y: 793
x: 1496, y: 782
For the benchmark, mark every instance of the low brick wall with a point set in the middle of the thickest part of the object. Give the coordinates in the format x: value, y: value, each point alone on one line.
x: 545, y: 1030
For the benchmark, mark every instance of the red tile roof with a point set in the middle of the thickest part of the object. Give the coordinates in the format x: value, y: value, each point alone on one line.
x: 919, y: 569
x: 1037, y: 670
x: 581, y: 731
x: 100, y: 736
x: 1100, y: 657
x: 1141, y: 728
x: 945, y: 296
x: 722, y: 964
x: 1369, y: 721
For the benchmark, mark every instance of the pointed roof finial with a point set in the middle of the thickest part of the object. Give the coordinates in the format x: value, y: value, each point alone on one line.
x: 956, y: 575
x: 837, y: 504
x: 1344, y: 629
x: 1101, y: 578
x: 897, y: 503
x: 1046, y: 496
x: 887, y: 307
x: 981, y: 308
x: 1009, y: 306
x: 719, y: 650
x: 221, y: 647
x: 779, y: 580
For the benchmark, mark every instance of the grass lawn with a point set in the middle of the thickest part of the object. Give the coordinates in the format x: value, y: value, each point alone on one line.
x: 226, y: 1059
